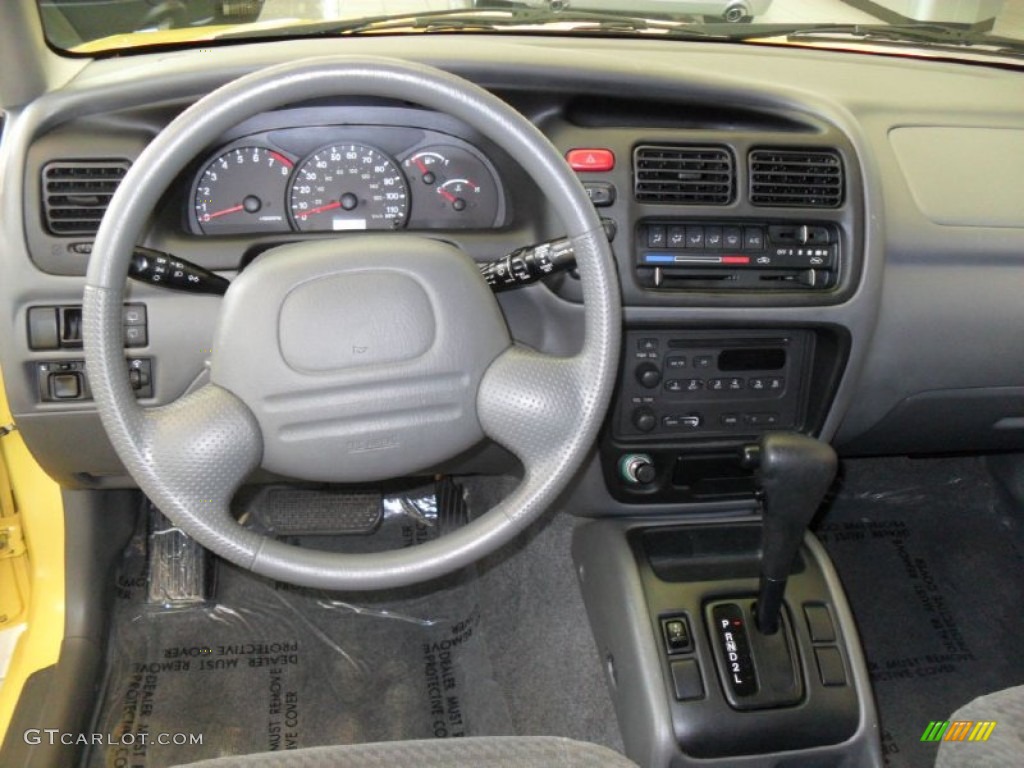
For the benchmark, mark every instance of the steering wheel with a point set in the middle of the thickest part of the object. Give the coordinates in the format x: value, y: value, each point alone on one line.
x: 357, y: 358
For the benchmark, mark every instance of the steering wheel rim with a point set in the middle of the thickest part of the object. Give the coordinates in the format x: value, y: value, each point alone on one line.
x: 192, y: 455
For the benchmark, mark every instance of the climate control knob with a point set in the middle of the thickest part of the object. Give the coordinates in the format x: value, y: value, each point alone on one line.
x: 649, y: 375
x: 644, y: 419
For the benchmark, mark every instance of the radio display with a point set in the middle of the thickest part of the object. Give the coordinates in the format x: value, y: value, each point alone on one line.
x: 765, y: 359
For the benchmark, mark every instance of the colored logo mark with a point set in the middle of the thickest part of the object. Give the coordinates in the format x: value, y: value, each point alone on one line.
x: 958, y: 730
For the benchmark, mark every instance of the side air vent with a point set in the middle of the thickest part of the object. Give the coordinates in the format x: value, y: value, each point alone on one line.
x: 683, y: 175
x: 76, y: 194
x: 796, y: 179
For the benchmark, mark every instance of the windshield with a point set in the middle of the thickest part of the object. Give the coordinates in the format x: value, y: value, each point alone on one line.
x: 979, y: 28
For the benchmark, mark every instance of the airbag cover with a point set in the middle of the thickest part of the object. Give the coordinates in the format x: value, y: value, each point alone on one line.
x: 360, y: 356
x: 340, y: 321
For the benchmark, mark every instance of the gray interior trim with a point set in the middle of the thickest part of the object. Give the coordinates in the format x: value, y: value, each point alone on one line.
x: 963, y: 176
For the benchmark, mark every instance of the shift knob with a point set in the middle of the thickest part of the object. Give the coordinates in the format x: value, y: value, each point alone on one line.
x: 794, y: 472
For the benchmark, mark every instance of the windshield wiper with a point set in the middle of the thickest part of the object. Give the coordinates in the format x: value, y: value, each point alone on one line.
x: 931, y: 35
x: 488, y: 20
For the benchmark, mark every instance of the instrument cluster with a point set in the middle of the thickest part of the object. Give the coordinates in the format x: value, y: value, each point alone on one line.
x: 339, y: 178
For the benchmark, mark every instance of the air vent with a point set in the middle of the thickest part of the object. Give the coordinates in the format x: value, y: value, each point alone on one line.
x: 683, y: 175
x: 796, y: 179
x: 76, y: 194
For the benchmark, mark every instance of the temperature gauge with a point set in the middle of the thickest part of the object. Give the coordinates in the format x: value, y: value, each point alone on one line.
x: 452, y: 188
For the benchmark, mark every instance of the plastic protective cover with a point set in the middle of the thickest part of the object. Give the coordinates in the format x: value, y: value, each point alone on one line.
x: 264, y: 666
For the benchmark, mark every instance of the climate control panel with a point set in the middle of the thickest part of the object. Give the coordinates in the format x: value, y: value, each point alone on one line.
x: 727, y: 256
x: 683, y: 384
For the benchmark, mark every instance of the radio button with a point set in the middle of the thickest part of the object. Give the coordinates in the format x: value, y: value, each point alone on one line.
x: 689, y: 421
x: 702, y: 361
x: 647, y: 345
x: 676, y: 362
x: 644, y: 419
x: 729, y: 420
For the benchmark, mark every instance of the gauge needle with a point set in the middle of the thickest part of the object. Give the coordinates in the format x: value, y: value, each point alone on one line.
x: 225, y: 212
x: 321, y: 209
x: 447, y: 195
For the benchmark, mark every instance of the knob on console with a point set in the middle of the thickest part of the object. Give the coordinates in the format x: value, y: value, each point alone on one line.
x: 644, y: 419
x: 649, y: 375
x: 637, y: 468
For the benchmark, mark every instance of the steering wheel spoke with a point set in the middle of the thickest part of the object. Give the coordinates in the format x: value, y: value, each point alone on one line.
x: 206, y: 444
x: 531, y: 404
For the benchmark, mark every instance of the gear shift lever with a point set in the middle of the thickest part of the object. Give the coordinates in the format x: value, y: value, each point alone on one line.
x: 794, y: 472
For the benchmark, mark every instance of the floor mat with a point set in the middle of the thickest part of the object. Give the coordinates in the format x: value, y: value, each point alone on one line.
x: 931, y: 558
x: 267, y: 667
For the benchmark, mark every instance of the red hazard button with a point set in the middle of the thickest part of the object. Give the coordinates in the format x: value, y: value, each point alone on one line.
x: 590, y: 159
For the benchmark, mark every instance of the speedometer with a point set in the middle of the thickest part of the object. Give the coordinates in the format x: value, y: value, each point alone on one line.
x: 348, y: 186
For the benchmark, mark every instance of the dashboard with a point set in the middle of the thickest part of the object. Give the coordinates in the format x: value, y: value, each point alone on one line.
x: 789, y: 255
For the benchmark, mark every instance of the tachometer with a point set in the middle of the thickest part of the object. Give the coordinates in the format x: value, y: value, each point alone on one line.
x: 348, y: 186
x: 242, y: 191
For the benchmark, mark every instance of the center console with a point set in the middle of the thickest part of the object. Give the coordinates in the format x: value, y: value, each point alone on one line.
x: 743, y: 628
x: 693, y: 678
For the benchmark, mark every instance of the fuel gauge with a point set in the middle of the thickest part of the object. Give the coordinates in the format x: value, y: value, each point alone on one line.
x: 451, y: 188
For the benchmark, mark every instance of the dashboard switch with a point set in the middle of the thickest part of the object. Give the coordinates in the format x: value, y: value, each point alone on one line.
x: 66, y: 386
x: 43, y: 329
x: 753, y: 238
x: 601, y: 193
x: 677, y: 635
x: 590, y: 160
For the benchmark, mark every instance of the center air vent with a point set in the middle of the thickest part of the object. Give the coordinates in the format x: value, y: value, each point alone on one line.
x: 683, y: 175
x: 76, y: 194
x: 796, y: 179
